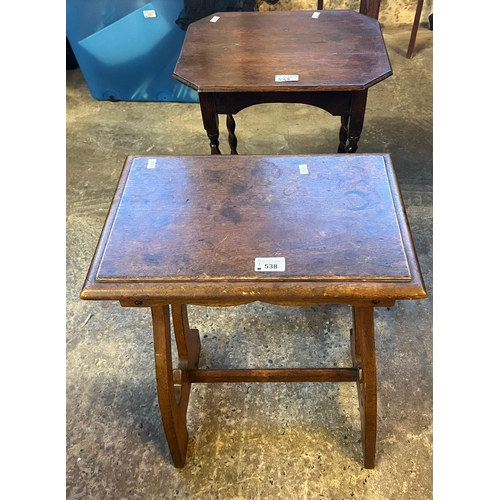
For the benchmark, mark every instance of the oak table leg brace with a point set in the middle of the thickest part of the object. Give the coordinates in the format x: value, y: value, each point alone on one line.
x: 364, y: 360
x: 350, y: 106
x: 173, y: 385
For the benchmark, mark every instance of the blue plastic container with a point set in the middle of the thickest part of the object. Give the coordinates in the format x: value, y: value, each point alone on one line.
x: 127, y: 49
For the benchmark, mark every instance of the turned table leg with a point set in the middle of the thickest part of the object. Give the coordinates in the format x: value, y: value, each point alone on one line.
x: 364, y: 359
x: 172, y: 384
x: 210, y: 121
x: 344, y: 127
x: 352, y: 124
x: 231, y: 126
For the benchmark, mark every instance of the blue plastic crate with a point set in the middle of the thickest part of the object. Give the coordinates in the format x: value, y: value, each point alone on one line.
x: 127, y: 49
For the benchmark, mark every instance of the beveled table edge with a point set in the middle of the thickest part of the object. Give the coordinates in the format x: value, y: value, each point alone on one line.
x: 289, y: 87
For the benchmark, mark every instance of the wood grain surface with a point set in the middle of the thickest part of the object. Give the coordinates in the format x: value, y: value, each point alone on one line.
x: 188, y: 223
x: 244, y: 51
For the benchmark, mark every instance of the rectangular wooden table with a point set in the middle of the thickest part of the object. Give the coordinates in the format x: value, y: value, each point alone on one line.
x: 229, y: 230
x: 327, y: 59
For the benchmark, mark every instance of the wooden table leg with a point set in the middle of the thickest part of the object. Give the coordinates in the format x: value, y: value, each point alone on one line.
x: 172, y: 384
x: 414, y: 30
x: 344, y: 127
x: 370, y: 8
x: 364, y: 359
x: 210, y: 121
x: 231, y: 126
x: 356, y: 119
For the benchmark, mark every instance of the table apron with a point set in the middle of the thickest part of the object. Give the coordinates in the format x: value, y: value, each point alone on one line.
x: 221, y: 302
x: 336, y: 103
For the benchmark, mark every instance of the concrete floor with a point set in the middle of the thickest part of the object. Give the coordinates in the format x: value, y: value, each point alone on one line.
x: 248, y: 441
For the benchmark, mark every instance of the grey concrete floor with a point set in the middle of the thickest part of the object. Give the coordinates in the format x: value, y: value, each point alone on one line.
x: 248, y: 441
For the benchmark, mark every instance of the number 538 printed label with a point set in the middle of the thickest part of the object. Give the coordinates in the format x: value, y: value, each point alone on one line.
x: 273, y: 264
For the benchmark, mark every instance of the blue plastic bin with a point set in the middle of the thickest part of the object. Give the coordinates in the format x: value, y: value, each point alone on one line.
x: 127, y: 49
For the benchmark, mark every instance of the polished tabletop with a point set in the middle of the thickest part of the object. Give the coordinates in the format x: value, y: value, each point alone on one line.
x: 248, y: 51
x: 195, y: 227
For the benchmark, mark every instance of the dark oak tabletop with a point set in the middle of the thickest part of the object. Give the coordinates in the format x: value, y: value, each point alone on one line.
x: 341, y: 50
x: 193, y: 227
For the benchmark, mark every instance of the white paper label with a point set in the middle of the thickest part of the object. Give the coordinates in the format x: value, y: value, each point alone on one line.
x: 286, y: 78
x: 315, y: 15
x: 214, y: 19
x: 149, y: 13
x: 151, y: 163
x: 303, y: 169
x: 270, y: 264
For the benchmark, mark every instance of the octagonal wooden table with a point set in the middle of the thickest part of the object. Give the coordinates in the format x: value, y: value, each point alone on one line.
x: 230, y: 230
x: 327, y: 59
